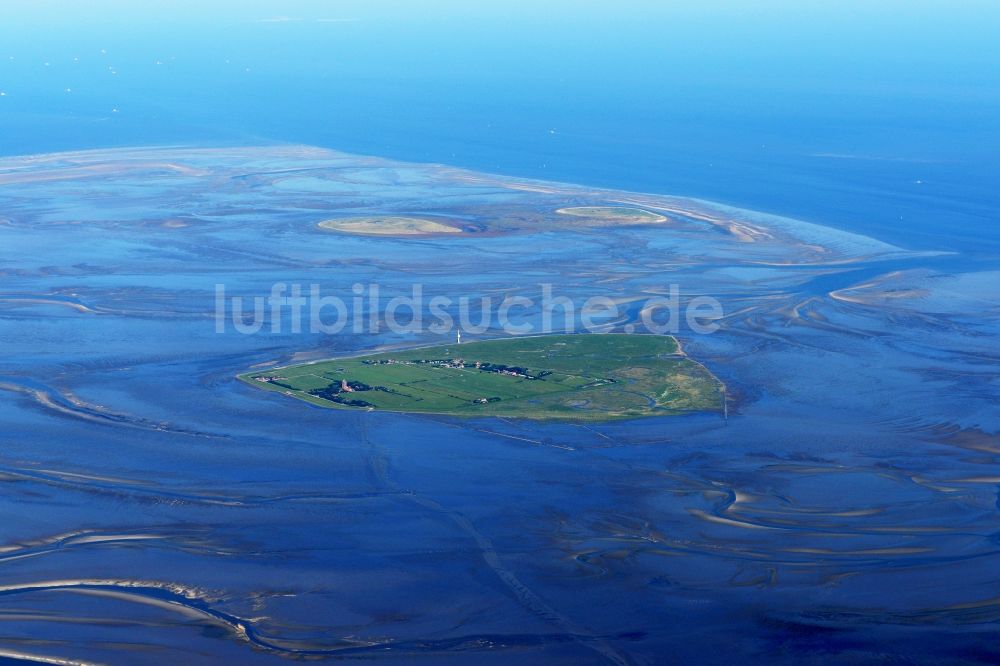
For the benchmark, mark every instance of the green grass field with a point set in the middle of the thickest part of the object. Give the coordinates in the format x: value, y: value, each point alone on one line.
x: 577, y: 377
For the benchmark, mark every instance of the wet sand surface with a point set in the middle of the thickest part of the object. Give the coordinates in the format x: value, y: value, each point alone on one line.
x: 156, y: 510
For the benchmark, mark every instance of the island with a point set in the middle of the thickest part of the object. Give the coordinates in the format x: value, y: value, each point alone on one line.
x: 387, y: 226
x: 614, y: 215
x: 587, y: 377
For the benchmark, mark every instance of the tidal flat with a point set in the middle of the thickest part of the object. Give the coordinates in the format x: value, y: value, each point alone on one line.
x: 156, y: 509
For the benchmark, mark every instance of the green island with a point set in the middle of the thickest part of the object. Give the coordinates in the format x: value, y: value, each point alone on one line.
x: 586, y: 377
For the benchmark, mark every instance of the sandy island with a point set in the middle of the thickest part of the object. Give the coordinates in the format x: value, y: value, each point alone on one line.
x: 615, y: 214
x: 388, y: 226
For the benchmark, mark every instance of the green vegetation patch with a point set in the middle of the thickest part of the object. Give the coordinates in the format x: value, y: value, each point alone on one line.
x: 578, y: 377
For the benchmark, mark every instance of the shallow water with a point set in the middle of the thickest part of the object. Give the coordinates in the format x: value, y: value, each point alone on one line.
x: 155, y: 509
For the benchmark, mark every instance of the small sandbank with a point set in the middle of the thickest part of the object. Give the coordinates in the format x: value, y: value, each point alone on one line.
x: 388, y: 226
x: 614, y: 214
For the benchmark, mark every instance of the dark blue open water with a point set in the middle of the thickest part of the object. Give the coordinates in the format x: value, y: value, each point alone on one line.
x: 881, y: 117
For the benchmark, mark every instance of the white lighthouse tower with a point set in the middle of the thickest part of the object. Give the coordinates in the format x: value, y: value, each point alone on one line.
x: 458, y: 337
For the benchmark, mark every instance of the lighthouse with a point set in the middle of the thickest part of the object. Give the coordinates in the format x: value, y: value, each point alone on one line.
x: 458, y: 337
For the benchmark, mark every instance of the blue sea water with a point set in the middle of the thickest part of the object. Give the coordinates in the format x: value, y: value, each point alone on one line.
x: 881, y: 118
